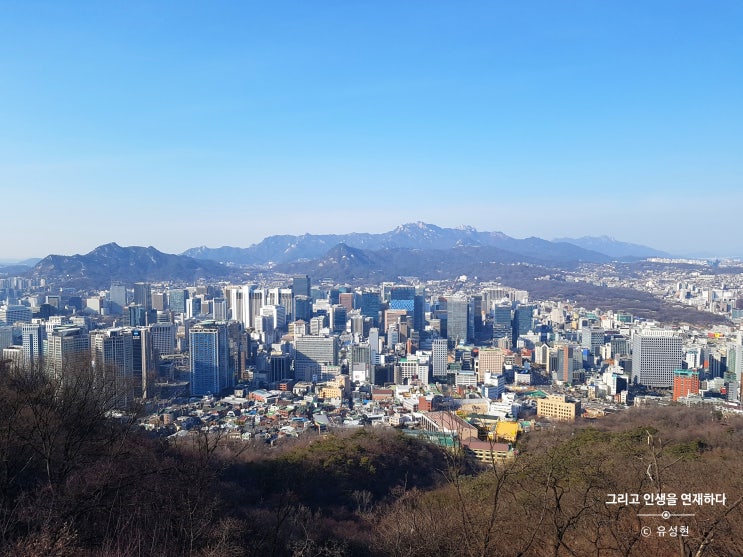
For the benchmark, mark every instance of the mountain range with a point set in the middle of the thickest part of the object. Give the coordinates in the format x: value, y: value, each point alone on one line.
x: 421, y: 236
x: 111, y: 262
x: 614, y: 248
x: 415, y: 249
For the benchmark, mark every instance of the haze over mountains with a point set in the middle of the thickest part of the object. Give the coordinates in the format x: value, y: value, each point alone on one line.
x: 111, y: 262
x: 614, y: 248
x: 422, y: 236
x: 415, y: 249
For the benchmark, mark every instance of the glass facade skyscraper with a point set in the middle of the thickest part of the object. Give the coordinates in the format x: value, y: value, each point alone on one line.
x: 209, y: 358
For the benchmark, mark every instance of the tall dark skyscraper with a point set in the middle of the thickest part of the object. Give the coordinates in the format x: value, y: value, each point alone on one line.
x: 143, y: 295
x: 371, y: 304
x: 502, y: 321
x: 302, y: 308
x: 302, y: 286
x: 523, y: 321
x: 210, y: 358
x: 177, y: 300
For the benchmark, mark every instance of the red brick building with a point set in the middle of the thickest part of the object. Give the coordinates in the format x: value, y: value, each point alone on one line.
x: 685, y: 383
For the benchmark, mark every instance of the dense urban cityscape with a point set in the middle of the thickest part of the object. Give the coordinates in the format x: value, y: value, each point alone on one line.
x: 282, y: 363
x: 298, y: 353
x: 229, y: 328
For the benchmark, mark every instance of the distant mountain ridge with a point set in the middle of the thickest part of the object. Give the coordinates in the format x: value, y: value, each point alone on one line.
x: 614, y: 248
x: 419, y: 235
x: 414, y: 249
x: 344, y: 263
x: 111, y: 262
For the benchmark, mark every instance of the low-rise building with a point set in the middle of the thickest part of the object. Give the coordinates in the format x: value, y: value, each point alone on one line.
x: 558, y: 407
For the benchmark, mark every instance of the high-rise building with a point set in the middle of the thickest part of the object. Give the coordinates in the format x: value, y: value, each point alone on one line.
x: 117, y: 298
x: 655, y: 356
x: 346, y: 300
x: 12, y: 314
x: 592, y: 339
x: 475, y: 321
x: 302, y: 286
x: 302, y: 308
x: 279, y: 367
x: 317, y: 324
x: 6, y: 336
x: 33, y: 336
x: 717, y: 363
x: 338, y: 319
x: 143, y: 295
x: 68, y: 350
x: 569, y: 363
x: 114, y: 364
x: 219, y: 309
x: 255, y: 301
x: 209, y: 358
x: 685, y: 383
x: 402, y: 297
x: 439, y: 358
x: 361, y: 362
x: 523, y: 321
x: 419, y: 312
x: 286, y: 300
x: 163, y: 338
x: 177, y: 300
x: 144, y: 363
x: 502, y: 321
x: 371, y: 304
x: 457, y: 320
x: 374, y: 346
x: 193, y: 307
x: 311, y: 351
x: 159, y: 301
x: 412, y: 369
x: 734, y: 362
x: 490, y: 361
x: 139, y: 316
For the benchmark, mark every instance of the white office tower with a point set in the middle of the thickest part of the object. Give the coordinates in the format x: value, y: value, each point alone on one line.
x: 13, y: 357
x: 656, y: 353
x: 33, y: 335
x: 163, y: 338
x: 219, y: 309
x: 144, y: 362
x: 235, y: 303
x: 361, y: 362
x: 439, y: 358
x: 280, y: 297
x: 68, y: 351
x: 317, y: 324
x: 255, y: 301
x: 310, y: 352
x: 374, y: 346
x: 11, y: 314
x: 300, y: 328
x: 277, y: 316
x: 113, y: 357
x: 6, y: 336
x: 55, y: 321
x: 412, y: 369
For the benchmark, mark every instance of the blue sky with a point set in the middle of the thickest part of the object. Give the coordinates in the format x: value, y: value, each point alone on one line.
x: 177, y: 124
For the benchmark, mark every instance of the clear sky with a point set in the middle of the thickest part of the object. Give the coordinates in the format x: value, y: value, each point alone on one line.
x: 178, y: 124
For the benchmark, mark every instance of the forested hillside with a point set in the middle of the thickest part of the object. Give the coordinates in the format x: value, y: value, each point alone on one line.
x: 73, y: 481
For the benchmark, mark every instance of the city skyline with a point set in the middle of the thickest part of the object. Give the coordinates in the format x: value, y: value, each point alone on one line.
x: 185, y: 125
